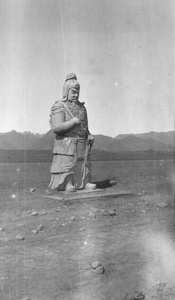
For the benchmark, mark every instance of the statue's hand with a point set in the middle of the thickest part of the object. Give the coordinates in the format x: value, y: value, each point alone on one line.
x: 91, y: 139
x: 75, y: 120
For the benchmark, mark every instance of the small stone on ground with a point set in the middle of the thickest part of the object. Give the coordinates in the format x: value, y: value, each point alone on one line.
x: 112, y: 213
x: 34, y: 213
x: 99, y: 270
x: 40, y: 227
x: 96, y: 264
x: 20, y: 237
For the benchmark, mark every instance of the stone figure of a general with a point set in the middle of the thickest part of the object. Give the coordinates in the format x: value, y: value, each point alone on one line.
x: 71, y: 165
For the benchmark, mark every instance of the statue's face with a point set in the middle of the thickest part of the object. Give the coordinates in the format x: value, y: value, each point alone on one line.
x: 73, y: 95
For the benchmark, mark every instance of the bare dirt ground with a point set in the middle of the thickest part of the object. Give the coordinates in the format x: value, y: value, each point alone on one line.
x: 131, y: 235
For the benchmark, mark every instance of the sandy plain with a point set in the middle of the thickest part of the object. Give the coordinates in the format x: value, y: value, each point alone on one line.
x: 48, y: 255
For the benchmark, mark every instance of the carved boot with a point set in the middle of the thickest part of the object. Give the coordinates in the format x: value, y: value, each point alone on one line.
x: 69, y: 185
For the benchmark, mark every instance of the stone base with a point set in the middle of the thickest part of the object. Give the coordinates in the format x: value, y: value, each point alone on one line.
x: 84, y: 194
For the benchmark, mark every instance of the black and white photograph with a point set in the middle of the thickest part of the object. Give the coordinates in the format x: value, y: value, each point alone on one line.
x: 87, y: 175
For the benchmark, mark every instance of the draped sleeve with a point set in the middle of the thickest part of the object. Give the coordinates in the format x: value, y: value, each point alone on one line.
x: 62, y: 145
x: 57, y: 115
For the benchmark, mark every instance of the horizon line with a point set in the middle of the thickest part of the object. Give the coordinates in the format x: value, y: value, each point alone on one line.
x: 37, y: 133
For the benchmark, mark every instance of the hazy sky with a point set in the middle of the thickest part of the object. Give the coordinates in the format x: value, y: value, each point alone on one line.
x: 121, y: 50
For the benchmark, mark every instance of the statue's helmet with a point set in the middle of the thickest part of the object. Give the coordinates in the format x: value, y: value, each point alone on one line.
x: 70, y: 82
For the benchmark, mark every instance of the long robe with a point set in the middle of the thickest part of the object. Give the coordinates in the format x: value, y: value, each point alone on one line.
x: 71, y: 147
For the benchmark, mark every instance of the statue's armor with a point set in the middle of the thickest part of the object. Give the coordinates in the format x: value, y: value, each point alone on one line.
x: 72, y: 142
x: 79, y: 111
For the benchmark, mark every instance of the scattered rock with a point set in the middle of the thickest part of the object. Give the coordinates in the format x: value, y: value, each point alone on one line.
x: 82, y: 229
x: 82, y: 218
x: 91, y: 214
x: 112, y: 182
x: 99, y: 270
x: 40, y: 227
x: 96, y: 264
x: 64, y: 224
x: 143, y: 211
x: 146, y: 203
x: 162, y: 204
x: 139, y: 194
x: 72, y: 218
x: 20, y: 237
x: 25, y: 298
x: 34, y: 213
x: 31, y: 190
x: 1, y: 228
x: 43, y: 213
x: 112, y: 213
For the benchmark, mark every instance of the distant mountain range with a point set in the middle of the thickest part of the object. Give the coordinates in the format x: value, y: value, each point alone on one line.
x: 155, y: 141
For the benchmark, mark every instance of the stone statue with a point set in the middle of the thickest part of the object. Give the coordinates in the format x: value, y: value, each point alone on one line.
x: 71, y: 165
